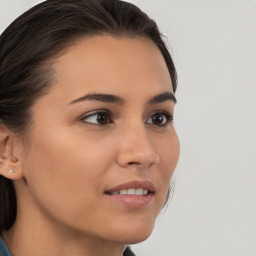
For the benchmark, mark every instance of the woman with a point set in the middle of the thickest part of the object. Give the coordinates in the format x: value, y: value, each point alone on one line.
x: 87, y: 143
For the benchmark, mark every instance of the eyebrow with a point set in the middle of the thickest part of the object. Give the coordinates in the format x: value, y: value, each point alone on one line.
x: 109, y: 98
x: 162, y: 97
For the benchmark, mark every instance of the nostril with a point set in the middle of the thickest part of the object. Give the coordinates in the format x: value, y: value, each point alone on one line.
x: 132, y: 163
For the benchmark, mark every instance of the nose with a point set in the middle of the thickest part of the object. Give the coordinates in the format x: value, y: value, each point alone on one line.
x: 136, y: 149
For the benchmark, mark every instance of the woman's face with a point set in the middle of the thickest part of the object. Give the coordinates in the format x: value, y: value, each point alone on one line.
x: 105, y: 122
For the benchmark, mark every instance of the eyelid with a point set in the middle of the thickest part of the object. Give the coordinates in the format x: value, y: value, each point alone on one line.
x: 95, y: 112
x: 168, y: 116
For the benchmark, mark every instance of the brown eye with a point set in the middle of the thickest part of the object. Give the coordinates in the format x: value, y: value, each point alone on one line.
x: 99, y: 118
x: 160, y: 119
x: 102, y: 118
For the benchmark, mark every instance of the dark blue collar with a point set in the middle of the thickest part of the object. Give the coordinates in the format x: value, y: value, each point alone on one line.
x: 4, y: 251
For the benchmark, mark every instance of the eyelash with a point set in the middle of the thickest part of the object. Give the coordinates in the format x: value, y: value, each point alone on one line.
x: 100, y: 111
x: 168, y: 116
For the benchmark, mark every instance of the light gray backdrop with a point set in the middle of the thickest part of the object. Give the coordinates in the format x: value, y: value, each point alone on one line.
x: 213, y: 42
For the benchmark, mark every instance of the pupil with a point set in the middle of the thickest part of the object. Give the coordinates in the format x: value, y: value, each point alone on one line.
x: 102, y: 119
x: 157, y: 119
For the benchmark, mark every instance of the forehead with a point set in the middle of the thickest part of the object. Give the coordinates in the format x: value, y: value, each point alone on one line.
x: 115, y: 65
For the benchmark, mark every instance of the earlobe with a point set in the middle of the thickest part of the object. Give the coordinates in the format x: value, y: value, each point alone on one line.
x: 10, y: 166
x: 12, y: 174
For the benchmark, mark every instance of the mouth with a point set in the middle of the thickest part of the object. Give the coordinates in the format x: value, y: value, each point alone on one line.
x: 131, y: 191
x: 133, y: 194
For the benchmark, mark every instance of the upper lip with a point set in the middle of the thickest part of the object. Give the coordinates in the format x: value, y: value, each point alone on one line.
x: 145, y: 184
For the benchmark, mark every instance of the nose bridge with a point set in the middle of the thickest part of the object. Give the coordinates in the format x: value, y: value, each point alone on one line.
x: 136, y: 147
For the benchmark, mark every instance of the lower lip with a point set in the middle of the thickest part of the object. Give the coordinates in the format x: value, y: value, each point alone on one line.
x: 132, y: 201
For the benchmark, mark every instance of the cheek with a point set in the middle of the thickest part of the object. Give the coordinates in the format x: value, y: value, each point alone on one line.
x: 169, y: 150
x: 62, y: 172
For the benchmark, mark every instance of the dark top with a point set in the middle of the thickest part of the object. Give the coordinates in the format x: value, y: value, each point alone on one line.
x: 4, y: 251
x: 127, y: 252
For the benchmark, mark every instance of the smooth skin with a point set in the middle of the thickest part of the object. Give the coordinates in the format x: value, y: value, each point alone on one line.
x: 75, y: 154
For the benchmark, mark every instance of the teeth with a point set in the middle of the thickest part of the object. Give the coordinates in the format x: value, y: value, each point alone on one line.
x: 145, y: 191
x: 139, y: 191
x: 123, y: 192
x: 131, y: 191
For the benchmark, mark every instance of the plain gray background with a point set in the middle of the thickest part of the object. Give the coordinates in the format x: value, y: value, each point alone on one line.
x: 213, y: 43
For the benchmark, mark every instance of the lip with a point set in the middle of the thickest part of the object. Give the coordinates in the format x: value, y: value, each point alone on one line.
x: 145, y: 184
x: 132, y: 201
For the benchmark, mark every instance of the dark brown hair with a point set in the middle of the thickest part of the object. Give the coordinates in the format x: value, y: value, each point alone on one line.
x: 32, y: 42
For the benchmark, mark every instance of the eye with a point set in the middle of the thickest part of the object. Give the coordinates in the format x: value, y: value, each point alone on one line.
x: 98, y: 118
x: 160, y: 119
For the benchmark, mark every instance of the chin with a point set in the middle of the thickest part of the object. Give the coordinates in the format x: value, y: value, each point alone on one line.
x: 135, y: 238
x: 130, y: 234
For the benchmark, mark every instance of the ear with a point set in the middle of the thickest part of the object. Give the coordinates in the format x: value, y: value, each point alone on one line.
x: 10, y: 164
